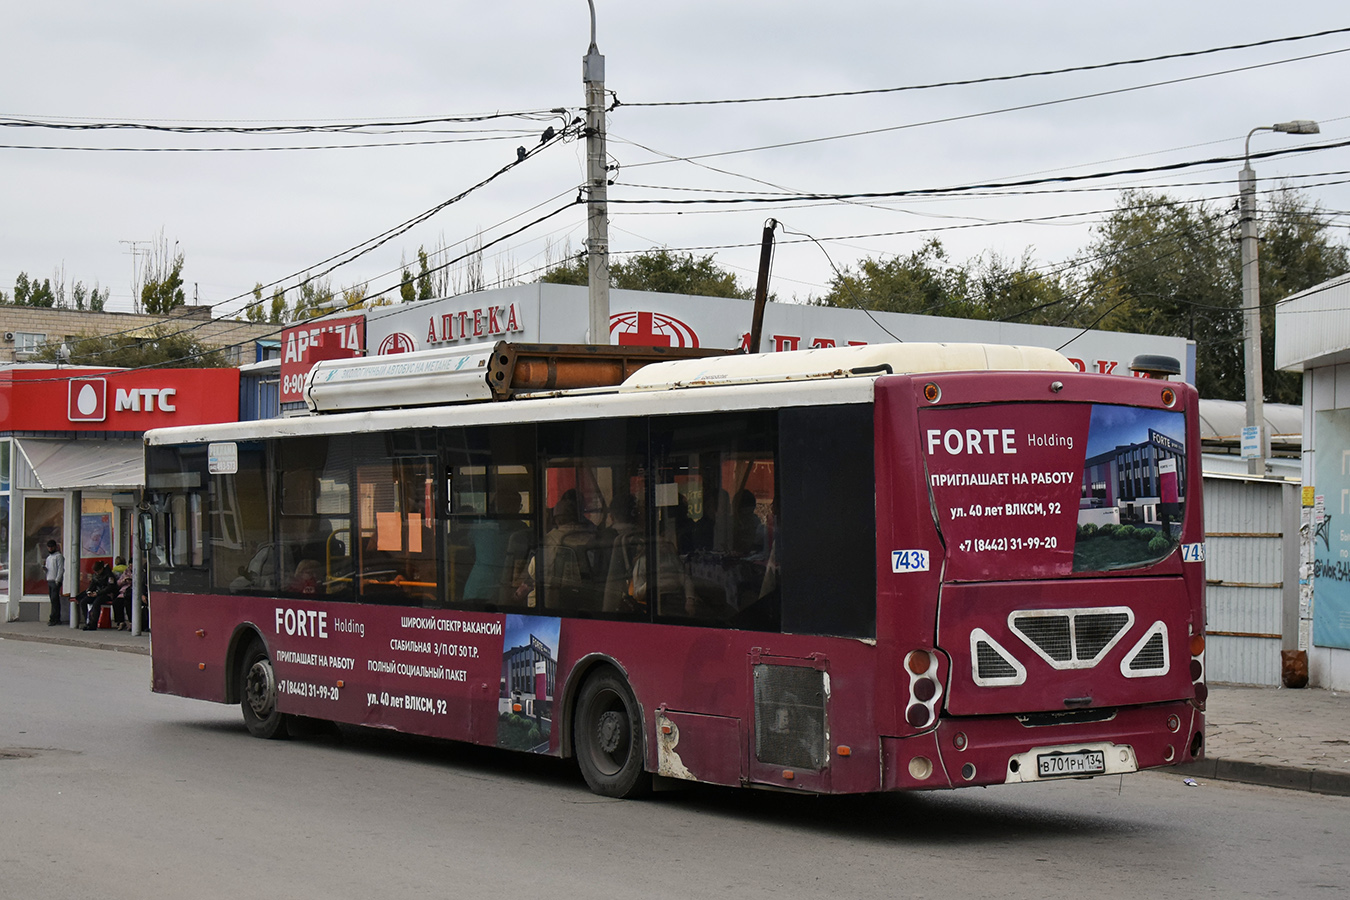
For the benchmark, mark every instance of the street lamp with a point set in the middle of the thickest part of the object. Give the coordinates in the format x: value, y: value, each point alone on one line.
x: 1251, y: 288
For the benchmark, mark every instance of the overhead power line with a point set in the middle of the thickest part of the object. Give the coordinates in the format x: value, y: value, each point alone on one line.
x: 993, y: 185
x: 67, y: 123
x: 990, y: 112
x: 997, y: 78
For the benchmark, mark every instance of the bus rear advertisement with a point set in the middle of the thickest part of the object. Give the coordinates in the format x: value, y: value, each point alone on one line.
x: 837, y: 571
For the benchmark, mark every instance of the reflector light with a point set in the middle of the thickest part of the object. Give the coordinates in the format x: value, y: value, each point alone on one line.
x: 201, y: 665
x: 788, y: 774
x: 341, y: 683
x: 931, y: 392
x: 918, y: 661
x: 1197, y: 644
x: 843, y: 750
x: 201, y: 632
x: 920, y: 768
x: 924, y: 689
x: 1169, y: 397
x: 515, y: 707
x: 666, y: 729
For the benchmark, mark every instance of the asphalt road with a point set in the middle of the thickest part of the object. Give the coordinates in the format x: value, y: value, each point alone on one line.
x: 108, y: 791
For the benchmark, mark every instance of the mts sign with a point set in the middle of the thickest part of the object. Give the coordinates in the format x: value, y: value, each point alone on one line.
x: 144, y: 399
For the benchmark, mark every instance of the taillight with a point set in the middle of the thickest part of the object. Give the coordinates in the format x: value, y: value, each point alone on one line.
x: 924, y: 688
x: 1197, y: 647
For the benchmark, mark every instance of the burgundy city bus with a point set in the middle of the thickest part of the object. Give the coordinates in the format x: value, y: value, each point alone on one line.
x: 890, y: 567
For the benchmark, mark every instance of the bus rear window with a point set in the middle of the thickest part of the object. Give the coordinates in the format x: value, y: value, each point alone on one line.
x: 1044, y: 490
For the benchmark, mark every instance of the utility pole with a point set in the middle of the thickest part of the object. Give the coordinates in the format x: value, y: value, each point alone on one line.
x: 597, y: 177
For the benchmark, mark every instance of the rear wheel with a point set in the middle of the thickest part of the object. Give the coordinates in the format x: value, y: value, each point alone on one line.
x: 607, y: 735
x: 258, y: 694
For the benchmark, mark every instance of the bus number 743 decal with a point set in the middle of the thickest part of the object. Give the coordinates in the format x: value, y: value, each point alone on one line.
x: 909, y: 560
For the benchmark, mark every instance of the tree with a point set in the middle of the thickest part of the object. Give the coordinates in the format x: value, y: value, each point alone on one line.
x: 159, y: 347
x: 424, y: 287
x: 162, y: 289
x: 1296, y: 253
x: 659, y: 270
x: 407, y: 289
x: 34, y: 292
x: 923, y: 282
x: 1164, y: 266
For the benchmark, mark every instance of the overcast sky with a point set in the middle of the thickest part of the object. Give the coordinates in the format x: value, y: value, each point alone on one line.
x: 263, y: 215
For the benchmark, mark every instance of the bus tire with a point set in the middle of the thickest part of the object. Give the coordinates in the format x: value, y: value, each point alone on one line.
x: 258, y: 694
x: 607, y: 735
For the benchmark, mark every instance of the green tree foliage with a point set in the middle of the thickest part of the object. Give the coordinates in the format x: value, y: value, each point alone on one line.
x: 1157, y: 265
x: 276, y: 311
x: 1164, y: 266
x: 407, y: 288
x: 33, y: 292
x: 163, y: 288
x: 159, y: 347
x: 927, y: 282
x: 88, y: 298
x: 425, y: 291
x: 659, y: 270
x: 256, y: 311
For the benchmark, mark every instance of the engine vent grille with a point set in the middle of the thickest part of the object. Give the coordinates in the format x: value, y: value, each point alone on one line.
x: 1149, y: 656
x: 790, y: 728
x: 1072, y: 638
x: 994, y: 665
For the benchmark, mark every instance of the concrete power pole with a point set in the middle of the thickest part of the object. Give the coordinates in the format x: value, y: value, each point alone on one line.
x: 597, y: 176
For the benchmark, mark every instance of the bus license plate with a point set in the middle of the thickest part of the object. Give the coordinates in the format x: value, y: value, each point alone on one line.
x: 1084, y: 762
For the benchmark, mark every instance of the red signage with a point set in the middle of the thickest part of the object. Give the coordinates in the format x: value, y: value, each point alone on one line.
x: 79, y: 399
x: 302, y: 346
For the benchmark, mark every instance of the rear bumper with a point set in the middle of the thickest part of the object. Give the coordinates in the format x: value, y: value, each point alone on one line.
x: 980, y: 750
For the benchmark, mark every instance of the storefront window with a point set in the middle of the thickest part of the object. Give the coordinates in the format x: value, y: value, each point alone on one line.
x: 96, y: 536
x: 43, y: 521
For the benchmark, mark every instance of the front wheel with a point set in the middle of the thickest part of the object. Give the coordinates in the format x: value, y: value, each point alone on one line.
x: 607, y: 735
x: 258, y: 694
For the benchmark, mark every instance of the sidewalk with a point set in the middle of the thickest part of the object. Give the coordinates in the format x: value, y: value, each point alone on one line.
x: 1269, y: 736
x: 103, y: 639
x: 1298, y: 739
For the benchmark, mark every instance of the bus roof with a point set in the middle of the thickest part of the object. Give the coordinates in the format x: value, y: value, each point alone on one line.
x: 720, y: 383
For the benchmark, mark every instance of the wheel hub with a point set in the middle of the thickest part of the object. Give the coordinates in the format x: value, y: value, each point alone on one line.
x: 609, y: 730
x: 261, y: 689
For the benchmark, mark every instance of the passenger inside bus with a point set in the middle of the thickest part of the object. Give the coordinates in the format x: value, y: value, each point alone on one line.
x: 570, y: 559
x: 492, y: 541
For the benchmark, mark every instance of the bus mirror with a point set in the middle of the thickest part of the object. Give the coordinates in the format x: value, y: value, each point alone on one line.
x: 146, y: 529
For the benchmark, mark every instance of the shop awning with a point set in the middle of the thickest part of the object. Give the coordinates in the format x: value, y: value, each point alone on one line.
x: 75, y: 465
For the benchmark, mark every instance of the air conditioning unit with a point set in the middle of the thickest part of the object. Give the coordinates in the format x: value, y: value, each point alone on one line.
x: 9, y: 337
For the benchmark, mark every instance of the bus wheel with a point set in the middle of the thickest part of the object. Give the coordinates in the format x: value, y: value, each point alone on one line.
x: 258, y: 694
x: 607, y: 735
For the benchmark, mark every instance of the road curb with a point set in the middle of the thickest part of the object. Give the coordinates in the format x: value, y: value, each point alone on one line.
x: 1268, y: 775
x: 76, y: 642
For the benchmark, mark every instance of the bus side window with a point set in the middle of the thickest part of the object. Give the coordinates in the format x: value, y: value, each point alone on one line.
x: 714, y: 559
x: 396, y: 502
x: 595, y: 485
x: 489, y: 486
x: 312, y: 556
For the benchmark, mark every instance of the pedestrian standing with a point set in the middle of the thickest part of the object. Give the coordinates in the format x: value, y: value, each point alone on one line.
x: 56, y: 573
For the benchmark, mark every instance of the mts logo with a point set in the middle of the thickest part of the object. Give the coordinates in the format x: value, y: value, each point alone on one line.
x: 145, y: 400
